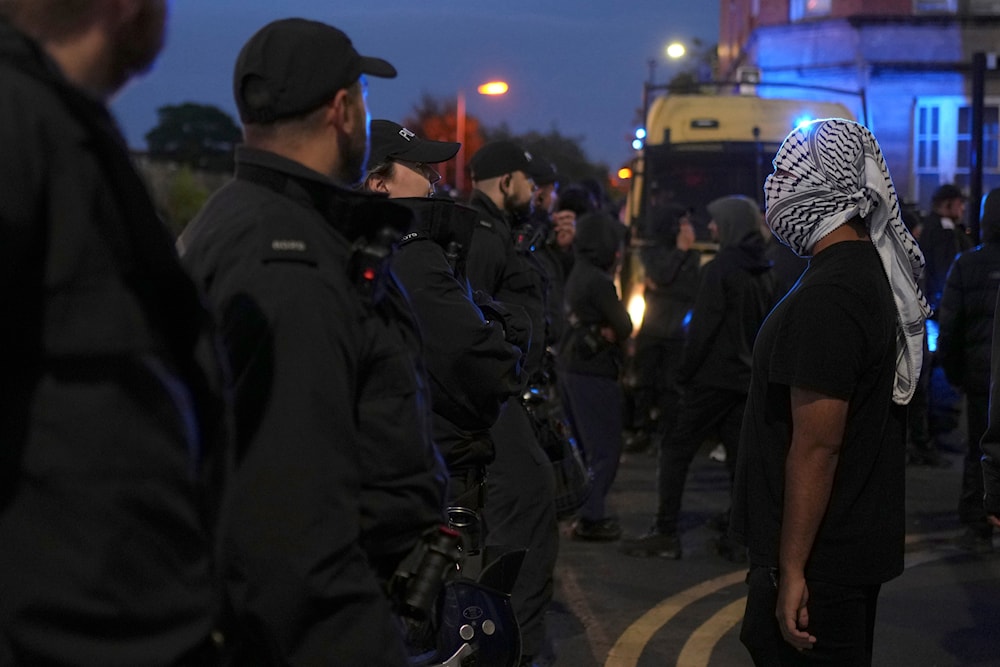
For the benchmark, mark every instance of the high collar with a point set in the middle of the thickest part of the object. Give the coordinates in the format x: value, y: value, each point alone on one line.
x: 479, y: 199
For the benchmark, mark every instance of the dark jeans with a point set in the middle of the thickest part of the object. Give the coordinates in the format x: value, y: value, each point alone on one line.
x: 655, y: 363
x: 842, y: 618
x: 597, y: 416
x: 970, y: 502
x: 703, y: 411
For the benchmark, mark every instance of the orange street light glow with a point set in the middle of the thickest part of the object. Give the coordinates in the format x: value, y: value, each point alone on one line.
x: 624, y: 173
x: 493, y: 88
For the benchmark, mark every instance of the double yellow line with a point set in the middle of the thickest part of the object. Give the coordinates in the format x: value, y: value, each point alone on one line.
x: 697, y: 650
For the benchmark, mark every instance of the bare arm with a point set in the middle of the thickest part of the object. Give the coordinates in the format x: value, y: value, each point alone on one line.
x: 818, y: 424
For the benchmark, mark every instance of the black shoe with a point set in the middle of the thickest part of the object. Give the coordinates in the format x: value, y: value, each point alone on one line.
x: 653, y: 544
x: 605, y: 530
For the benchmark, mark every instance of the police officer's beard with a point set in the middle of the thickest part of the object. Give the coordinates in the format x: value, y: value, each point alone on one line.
x: 138, y: 42
x: 353, y: 155
x: 518, y: 209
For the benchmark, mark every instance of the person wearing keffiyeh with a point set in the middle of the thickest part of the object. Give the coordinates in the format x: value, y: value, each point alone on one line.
x: 819, y: 492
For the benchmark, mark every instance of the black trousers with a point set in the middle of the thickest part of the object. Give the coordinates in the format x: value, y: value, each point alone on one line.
x: 842, y: 618
x: 655, y: 363
x: 970, y: 503
x: 703, y: 411
x: 597, y: 416
x: 520, y: 513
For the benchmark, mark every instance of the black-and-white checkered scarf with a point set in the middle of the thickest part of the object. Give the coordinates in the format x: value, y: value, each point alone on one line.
x: 826, y: 173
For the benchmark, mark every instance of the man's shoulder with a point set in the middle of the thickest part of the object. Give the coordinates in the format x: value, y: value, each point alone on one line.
x: 252, y: 225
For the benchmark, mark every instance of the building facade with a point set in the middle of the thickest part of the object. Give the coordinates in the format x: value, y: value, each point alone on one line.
x: 904, y: 66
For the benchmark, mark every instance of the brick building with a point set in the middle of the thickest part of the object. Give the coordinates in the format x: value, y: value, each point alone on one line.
x: 911, y: 58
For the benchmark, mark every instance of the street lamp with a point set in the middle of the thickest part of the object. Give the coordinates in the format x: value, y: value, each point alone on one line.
x: 490, y: 88
x: 676, y: 50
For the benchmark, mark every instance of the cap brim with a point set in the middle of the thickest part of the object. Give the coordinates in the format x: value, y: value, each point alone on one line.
x: 428, y: 151
x: 377, y: 67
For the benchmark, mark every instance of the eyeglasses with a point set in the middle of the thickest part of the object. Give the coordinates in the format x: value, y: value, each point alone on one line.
x: 423, y: 169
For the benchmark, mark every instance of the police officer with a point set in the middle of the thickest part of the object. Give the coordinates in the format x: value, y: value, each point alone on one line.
x: 337, y: 478
x: 472, y: 366
x: 108, y: 422
x: 520, y: 508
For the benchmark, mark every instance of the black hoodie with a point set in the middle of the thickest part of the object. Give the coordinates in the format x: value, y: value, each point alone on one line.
x: 736, y: 292
x: 592, y: 300
x: 965, y: 315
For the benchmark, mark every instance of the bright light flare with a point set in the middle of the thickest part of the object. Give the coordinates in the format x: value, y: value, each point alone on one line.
x: 493, y: 88
x: 637, y: 144
x: 802, y: 120
x: 636, y: 308
x: 624, y: 173
x: 676, y: 50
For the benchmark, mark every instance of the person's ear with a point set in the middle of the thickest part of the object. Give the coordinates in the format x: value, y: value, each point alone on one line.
x: 341, y: 111
x: 377, y: 184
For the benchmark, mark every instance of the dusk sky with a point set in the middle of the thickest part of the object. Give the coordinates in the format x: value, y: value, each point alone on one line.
x: 576, y: 65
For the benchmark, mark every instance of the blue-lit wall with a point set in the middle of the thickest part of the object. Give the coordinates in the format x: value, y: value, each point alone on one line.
x: 895, y: 62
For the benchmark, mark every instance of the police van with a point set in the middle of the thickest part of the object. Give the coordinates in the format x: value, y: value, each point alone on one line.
x: 699, y: 147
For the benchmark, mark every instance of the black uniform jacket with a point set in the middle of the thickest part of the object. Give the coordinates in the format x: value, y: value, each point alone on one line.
x: 105, y: 416
x: 496, y: 268
x: 473, y: 369
x: 337, y: 476
x: 966, y: 317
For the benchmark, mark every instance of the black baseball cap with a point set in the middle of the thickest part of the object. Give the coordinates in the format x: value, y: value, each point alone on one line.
x: 392, y: 141
x: 498, y: 158
x: 292, y: 66
x: 543, y: 172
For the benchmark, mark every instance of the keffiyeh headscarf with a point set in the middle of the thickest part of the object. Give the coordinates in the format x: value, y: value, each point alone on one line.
x: 826, y: 173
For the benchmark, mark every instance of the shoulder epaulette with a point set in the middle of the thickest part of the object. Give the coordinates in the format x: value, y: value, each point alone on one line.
x: 284, y: 242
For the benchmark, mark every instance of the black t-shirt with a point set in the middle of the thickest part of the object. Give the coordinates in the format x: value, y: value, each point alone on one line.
x: 835, y: 333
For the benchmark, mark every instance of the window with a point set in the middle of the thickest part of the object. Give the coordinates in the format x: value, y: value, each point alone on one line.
x: 935, y: 6
x: 943, y: 144
x: 807, y: 9
x: 928, y: 130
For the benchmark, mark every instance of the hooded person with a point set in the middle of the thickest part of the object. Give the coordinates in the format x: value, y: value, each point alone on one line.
x: 736, y: 291
x: 591, y: 359
x: 819, y: 496
x: 965, y: 318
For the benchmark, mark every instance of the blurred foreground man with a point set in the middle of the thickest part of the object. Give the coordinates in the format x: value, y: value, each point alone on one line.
x: 107, y: 422
x: 818, y: 498
x: 337, y: 479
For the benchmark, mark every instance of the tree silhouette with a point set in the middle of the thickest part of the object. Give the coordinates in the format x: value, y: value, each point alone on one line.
x: 436, y: 118
x: 200, y: 136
